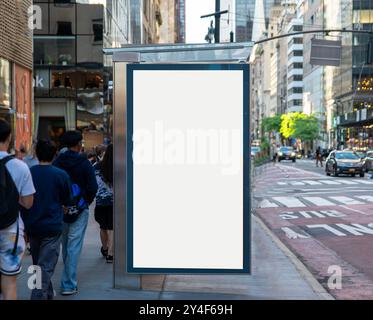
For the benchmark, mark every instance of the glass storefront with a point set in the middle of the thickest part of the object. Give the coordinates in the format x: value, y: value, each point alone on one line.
x: 69, y: 65
x: 358, y: 138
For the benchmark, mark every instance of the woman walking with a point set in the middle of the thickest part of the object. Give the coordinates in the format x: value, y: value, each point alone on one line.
x: 104, y: 203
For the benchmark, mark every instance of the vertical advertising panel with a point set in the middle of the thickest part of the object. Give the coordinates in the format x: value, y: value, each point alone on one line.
x: 23, y: 83
x: 188, y: 188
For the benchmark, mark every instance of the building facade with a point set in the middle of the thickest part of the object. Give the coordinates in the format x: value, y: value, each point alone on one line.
x: 73, y: 78
x: 348, y: 89
x: 244, y: 15
x: 295, y: 62
x: 16, y: 70
x: 180, y: 21
x: 145, y: 21
x: 313, y: 75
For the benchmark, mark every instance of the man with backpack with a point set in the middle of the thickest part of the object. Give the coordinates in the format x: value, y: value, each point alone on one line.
x: 44, y: 221
x: 84, y: 189
x: 16, y: 189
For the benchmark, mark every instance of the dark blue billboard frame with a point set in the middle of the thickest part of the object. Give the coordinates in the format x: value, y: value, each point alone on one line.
x: 246, y: 215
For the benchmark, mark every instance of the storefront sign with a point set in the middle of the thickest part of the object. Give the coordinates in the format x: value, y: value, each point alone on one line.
x: 23, y: 83
x: 188, y: 187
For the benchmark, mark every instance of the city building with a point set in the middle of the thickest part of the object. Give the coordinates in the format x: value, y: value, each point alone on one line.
x: 313, y: 75
x: 180, y: 21
x: 348, y: 88
x: 145, y: 21
x: 16, y: 70
x: 276, y: 101
x: 245, y: 17
x: 295, y: 62
x: 169, y: 20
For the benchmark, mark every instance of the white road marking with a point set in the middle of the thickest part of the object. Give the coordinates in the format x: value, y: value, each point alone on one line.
x: 347, y: 182
x: 366, y: 198
x: 267, y: 204
x: 358, y: 211
x: 282, y: 183
x: 311, y: 182
x: 365, y: 181
x: 346, y: 200
x: 296, y: 183
x: 329, y: 182
x: 290, y: 202
x: 318, y: 201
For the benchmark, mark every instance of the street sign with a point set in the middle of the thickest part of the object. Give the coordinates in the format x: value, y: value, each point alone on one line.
x: 326, y: 52
x: 188, y: 188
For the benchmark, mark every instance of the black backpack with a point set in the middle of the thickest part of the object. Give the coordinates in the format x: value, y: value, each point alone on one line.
x: 9, y: 196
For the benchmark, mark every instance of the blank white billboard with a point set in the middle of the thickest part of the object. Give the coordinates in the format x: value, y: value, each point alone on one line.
x: 188, y: 189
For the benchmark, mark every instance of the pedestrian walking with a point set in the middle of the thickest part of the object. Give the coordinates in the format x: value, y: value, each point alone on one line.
x: 84, y: 187
x: 44, y: 220
x: 31, y: 159
x: 16, y: 189
x: 104, y: 202
x: 318, y: 157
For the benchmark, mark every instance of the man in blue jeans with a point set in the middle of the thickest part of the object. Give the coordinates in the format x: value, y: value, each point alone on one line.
x: 44, y: 220
x: 82, y: 174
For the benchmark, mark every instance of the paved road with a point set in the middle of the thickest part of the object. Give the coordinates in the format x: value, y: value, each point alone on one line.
x: 326, y: 221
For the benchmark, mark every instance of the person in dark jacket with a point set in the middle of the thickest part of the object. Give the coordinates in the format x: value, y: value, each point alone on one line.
x: 83, y: 176
x: 44, y: 220
x: 104, y: 203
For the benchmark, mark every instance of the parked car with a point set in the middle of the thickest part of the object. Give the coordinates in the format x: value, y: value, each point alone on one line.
x: 286, y: 153
x: 254, y: 151
x: 344, y: 162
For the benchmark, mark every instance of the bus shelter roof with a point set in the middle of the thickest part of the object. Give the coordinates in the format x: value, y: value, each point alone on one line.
x: 178, y: 53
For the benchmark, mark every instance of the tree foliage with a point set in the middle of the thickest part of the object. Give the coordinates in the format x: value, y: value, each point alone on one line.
x: 306, y: 128
x: 272, y: 124
x: 293, y: 125
x: 288, y: 122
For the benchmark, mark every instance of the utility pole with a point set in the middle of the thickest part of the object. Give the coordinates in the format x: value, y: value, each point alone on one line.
x: 217, y: 21
x: 217, y: 14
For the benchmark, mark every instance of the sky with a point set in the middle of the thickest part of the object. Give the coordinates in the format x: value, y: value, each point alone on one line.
x: 196, y: 28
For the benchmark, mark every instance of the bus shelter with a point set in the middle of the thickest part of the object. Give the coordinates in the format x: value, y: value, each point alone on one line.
x: 181, y: 160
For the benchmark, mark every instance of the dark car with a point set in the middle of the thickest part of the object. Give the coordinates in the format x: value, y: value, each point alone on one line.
x: 286, y: 153
x: 344, y: 162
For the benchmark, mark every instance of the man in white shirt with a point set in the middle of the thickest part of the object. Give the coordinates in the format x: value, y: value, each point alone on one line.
x: 12, y: 244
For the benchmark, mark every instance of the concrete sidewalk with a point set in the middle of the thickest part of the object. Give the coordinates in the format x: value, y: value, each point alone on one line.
x: 276, y: 274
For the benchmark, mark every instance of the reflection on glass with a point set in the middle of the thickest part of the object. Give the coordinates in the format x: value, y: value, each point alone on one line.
x: 5, y: 83
x: 54, y: 51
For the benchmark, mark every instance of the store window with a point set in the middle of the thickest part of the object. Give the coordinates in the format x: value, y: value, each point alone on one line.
x: 5, y: 83
x: 63, y: 83
x: 54, y: 51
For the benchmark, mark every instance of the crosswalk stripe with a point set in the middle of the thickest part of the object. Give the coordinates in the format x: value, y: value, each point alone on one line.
x: 296, y: 183
x: 318, y: 201
x: 366, y: 198
x: 290, y: 202
x: 365, y: 181
x: 329, y: 182
x: 347, y: 182
x: 312, y: 182
x: 282, y: 183
x: 346, y: 200
x: 267, y: 204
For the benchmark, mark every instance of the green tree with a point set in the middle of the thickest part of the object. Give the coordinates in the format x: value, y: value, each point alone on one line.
x: 271, y: 124
x: 288, y: 124
x: 306, y: 128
